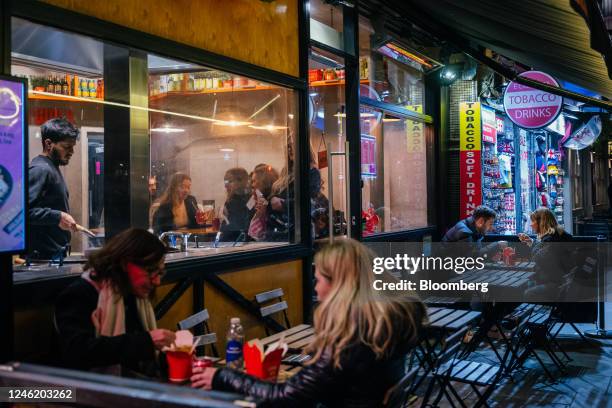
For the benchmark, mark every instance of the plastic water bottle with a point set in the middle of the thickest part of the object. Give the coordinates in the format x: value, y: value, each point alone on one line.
x: 235, y: 341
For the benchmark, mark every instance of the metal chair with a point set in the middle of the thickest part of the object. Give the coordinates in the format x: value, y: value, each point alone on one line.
x: 205, y: 339
x: 267, y: 308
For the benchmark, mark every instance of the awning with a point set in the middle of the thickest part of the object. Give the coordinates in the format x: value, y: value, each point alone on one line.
x: 546, y: 35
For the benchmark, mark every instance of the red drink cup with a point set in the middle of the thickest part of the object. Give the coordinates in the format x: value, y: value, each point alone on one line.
x: 201, y: 362
x: 200, y: 217
x: 216, y: 224
x: 179, y: 366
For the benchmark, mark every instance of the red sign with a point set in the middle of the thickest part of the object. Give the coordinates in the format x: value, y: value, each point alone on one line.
x: 470, y: 176
x: 531, y: 108
x: 489, y: 126
x: 470, y: 168
x: 368, y: 156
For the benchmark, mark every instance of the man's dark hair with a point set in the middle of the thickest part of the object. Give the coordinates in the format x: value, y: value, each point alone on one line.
x: 133, y: 245
x: 58, y: 130
x: 482, y: 211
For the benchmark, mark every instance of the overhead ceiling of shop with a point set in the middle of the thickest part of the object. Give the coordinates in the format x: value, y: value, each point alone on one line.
x: 547, y: 35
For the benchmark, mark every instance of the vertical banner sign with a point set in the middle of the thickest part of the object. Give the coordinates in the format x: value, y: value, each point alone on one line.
x: 470, y: 169
x: 12, y: 167
x: 416, y: 167
x: 489, y: 125
x: 368, y: 156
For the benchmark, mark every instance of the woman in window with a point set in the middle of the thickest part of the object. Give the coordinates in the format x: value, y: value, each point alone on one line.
x: 263, y: 178
x: 177, y: 208
x: 361, y: 339
x: 236, y: 215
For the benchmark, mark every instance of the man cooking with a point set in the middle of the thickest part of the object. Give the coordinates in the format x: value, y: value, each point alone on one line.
x: 49, y: 213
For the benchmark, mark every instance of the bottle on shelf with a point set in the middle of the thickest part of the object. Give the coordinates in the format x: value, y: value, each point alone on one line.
x: 50, y: 88
x: 92, y: 88
x: 57, y: 85
x: 235, y: 342
x: 84, y: 88
x: 65, y: 86
x: 76, y: 86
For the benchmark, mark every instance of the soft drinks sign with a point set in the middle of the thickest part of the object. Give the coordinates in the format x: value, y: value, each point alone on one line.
x: 532, y: 108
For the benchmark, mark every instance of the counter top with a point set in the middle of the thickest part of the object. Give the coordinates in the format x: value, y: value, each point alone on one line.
x: 41, y: 272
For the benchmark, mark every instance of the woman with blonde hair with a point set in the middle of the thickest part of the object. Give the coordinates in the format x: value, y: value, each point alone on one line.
x: 361, y: 339
x: 551, y: 256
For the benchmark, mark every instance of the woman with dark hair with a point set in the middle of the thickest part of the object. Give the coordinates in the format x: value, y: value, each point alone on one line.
x: 105, y: 319
x: 177, y: 208
x: 236, y: 214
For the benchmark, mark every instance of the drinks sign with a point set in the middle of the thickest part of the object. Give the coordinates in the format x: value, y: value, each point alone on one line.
x: 12, y: 166
x: 532, y: 108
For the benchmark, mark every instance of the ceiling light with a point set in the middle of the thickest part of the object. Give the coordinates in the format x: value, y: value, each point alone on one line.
x: 226, y: 149
x: 268, y: 127
x: 231, y: 123
x: 388, y: 119
x: 167, y: 130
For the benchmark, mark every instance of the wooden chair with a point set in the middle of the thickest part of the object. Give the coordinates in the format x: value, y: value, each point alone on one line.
x: 267, y: 308
x: 205, y: 339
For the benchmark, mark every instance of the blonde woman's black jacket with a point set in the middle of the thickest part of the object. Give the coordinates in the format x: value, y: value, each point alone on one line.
x: 361, y: 382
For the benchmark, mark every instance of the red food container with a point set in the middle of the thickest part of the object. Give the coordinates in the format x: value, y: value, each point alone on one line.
x: 179, y: 366
x: 228, y: 83
x: 315, y: 75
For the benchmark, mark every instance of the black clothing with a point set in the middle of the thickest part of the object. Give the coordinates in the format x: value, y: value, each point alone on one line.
x: 238, y: 216
x: 48, y: 197
x: 361, y: 382
x: 465, y: 231
x: 163, y: 219
x: 552, y: 260
x: 80, y: 349
x: 280, y: 225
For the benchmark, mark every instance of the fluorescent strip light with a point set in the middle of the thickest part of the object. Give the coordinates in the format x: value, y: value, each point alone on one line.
x: 167, y: 130
x: 269, y: 127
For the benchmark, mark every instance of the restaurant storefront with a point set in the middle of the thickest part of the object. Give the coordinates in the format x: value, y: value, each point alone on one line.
x: 153, y: 100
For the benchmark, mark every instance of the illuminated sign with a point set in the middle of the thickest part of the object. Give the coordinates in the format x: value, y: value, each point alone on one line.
x: 532, y: 108
x: 12, y: 166
x: 470, y: 169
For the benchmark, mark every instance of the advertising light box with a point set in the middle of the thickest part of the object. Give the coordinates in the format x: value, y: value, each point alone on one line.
x: 13, y: 150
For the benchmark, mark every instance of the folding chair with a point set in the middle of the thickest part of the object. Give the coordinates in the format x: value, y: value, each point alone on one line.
x: 450, y: 369
x: 266, y: 298
x: 207, y: 338
x: 399, y: 395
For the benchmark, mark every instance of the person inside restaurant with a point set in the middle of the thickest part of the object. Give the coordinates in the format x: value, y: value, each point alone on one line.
x: 105, y: 321
x: 280, y: 227
x: 236, y: 215
x: 177, y: 208
x: 263, y: 178
x: 361, y: 340
x: 49, y: 212
x: 552, y: 259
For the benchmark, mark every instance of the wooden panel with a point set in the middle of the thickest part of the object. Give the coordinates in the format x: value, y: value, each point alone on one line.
x: 262, y: 33
x: 248, y: 282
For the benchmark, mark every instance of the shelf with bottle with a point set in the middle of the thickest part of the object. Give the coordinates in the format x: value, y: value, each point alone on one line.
x: 65, y: 84
x: 196, y: 83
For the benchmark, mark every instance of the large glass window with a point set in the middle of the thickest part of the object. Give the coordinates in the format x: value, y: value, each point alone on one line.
x: 389, y: 71
x: 327, y: 136
x: 326, y: 23
x: 207, y: 156
x: 394, y: 155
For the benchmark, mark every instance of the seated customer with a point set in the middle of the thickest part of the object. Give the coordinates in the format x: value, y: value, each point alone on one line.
x: 262, y: 179
x: 552, y: 259
x: 360, y: 343
x: 105, y: 319
x: 236, y: 214
x: 177, y: 208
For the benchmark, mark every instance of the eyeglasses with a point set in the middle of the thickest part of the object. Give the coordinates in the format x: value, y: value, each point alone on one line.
x: 155, y: 272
